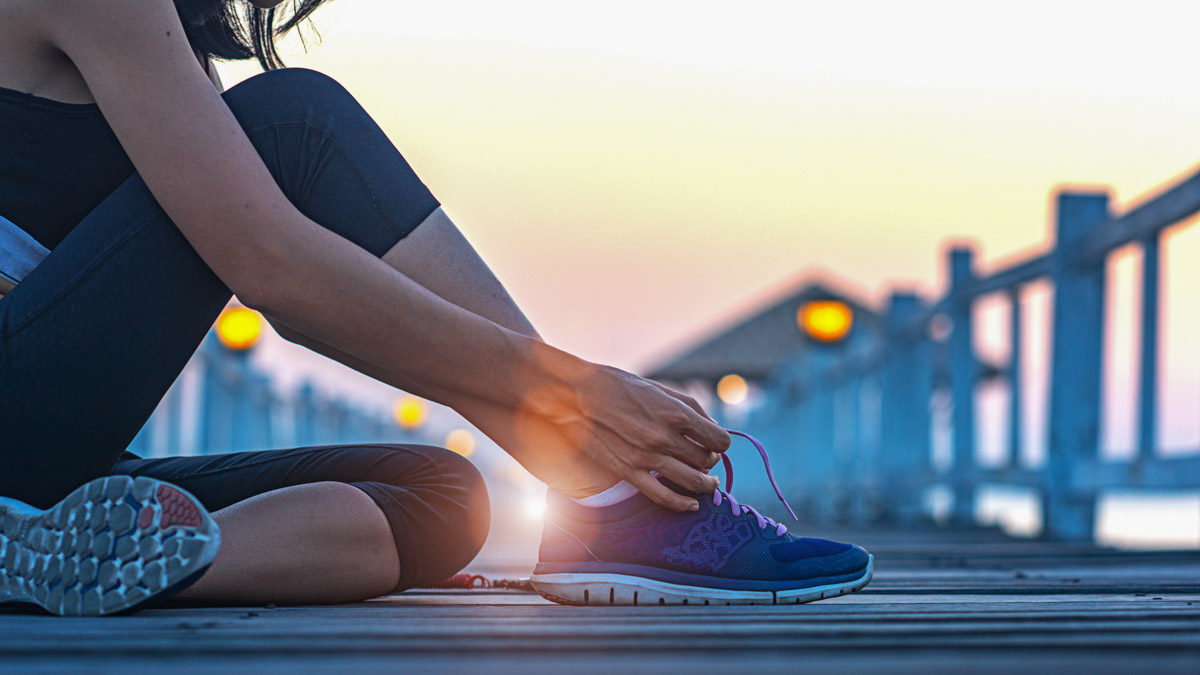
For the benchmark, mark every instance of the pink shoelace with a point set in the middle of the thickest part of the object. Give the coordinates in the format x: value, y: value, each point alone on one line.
x: 721, y: 495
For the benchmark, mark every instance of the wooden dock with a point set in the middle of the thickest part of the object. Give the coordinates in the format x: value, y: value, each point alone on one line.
x: 942, y: 601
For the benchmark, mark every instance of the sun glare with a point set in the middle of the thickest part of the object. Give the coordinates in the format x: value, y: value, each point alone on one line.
x: 535, y: 507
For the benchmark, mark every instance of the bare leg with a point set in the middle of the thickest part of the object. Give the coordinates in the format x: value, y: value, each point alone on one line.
x: 316, y: 543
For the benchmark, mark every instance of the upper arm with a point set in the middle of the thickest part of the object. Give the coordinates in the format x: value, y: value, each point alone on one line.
x: 177, y: 130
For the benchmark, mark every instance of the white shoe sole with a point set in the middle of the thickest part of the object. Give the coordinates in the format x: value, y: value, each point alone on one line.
x: 620, y: 589
x: 110, y: 546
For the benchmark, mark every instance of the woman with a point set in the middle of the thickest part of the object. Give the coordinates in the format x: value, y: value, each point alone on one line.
x: 159, y: 197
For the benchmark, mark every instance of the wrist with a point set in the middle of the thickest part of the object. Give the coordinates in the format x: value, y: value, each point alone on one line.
x: 552, y: 391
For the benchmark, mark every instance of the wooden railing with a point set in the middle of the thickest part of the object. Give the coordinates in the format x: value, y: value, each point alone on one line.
x: 221, y: 403
x: 852, y: 427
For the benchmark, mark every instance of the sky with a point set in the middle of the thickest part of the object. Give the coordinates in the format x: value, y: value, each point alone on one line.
x: 638, y: 172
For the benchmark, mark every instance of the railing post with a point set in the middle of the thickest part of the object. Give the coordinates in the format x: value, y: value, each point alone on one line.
x: 813, y: 427
x: 216, y: 403
x: 305, y: 416
x: 906, y: 386
x: 1015, y: 381
x: 1076, y: 360
x: 1148, y: 375
x: 964, y: 371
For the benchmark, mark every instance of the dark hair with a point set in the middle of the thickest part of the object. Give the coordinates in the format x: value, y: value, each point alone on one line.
x: 232, y: 30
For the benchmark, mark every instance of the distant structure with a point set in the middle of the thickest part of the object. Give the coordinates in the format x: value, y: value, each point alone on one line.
x: 851, y: 416
x: 755, y: 346
x: 221, y: 403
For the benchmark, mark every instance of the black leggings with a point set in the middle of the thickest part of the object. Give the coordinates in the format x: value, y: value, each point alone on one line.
x: 93, y: 337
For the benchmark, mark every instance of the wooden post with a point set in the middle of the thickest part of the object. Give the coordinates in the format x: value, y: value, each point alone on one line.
x: 216, y: 405
x: 1013, y: 456
x: 305, y: 415
x: 242, y: 396
x: 906, y: 386
x: 964, y: 371
x: 1148, y: 377
x: 813, y: 425
x: 1076, y: 360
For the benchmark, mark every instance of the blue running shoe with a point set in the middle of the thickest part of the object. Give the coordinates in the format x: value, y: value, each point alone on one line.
x: 638, y: 553
x: 114, y: 545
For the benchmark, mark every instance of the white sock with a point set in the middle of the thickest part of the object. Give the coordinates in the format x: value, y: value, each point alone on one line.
x: 613, y: 495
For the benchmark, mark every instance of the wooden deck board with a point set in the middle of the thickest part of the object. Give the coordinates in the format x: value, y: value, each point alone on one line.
x: 941, y: 601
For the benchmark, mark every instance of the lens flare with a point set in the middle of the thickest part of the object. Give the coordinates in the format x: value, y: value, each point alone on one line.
x: 535, y: 507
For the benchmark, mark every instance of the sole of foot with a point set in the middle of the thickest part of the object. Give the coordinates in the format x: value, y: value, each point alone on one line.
x: 114, y: 545
x: 618, y: 589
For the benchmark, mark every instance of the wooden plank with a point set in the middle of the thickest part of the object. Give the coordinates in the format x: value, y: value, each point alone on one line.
x: 952, y: 599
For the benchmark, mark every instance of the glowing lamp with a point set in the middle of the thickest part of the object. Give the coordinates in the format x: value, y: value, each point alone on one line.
x: 461, y: 441
x: 239, y: 328
x: 732, y: 389
x: 826, y: 320
x: 409, y: 412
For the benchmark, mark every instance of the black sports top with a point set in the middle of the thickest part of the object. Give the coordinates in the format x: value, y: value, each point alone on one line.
x: 58, y: 161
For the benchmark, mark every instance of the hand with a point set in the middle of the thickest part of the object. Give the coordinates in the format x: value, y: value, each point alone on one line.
x: 632, y: 426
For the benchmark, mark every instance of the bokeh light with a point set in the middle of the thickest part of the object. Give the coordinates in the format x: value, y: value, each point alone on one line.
x: 239, y: 328
x: 461, y: 441
x: 732, y: 389
x: 826, y: 320
x: 410, y: 412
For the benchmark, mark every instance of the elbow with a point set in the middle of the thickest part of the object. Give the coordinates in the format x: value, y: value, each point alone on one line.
x: 263, y: 282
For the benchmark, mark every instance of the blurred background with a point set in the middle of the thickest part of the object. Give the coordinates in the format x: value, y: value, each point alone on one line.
x: 650, y: 178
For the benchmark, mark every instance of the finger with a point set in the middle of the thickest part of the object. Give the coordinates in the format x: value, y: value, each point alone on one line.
x: 661, y: 494
x: 707, y: 433
x: 693, y: 454
x: 685, y: 476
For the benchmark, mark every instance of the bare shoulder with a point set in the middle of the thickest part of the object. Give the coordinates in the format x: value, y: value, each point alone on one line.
x: 182, y: 138
x: 29, y: 62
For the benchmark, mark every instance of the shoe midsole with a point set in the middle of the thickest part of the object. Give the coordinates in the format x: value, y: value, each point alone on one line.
x: 571, y: 584
x: 699, y: 580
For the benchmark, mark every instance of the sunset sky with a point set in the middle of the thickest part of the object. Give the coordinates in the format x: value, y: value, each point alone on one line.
x: 636, y: 172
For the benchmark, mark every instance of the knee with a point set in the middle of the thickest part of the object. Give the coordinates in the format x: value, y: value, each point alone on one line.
x: 288, y: 96
x: 447, y: 513
x: 470, y: 507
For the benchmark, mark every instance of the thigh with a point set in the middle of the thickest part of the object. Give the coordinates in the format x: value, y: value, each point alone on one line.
x: 95, y: 335
x: 435, y: 501
x: 91, y: 340
x: 222, y: 480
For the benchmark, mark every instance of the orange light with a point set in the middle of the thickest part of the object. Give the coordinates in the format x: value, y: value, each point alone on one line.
x: 461, y: 441
x: 732, y: 389
x: 826, y: 320
x: 409, y: 412
x: 239, y: 328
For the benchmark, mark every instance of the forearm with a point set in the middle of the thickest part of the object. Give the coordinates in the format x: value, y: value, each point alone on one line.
x: 531, y: 440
